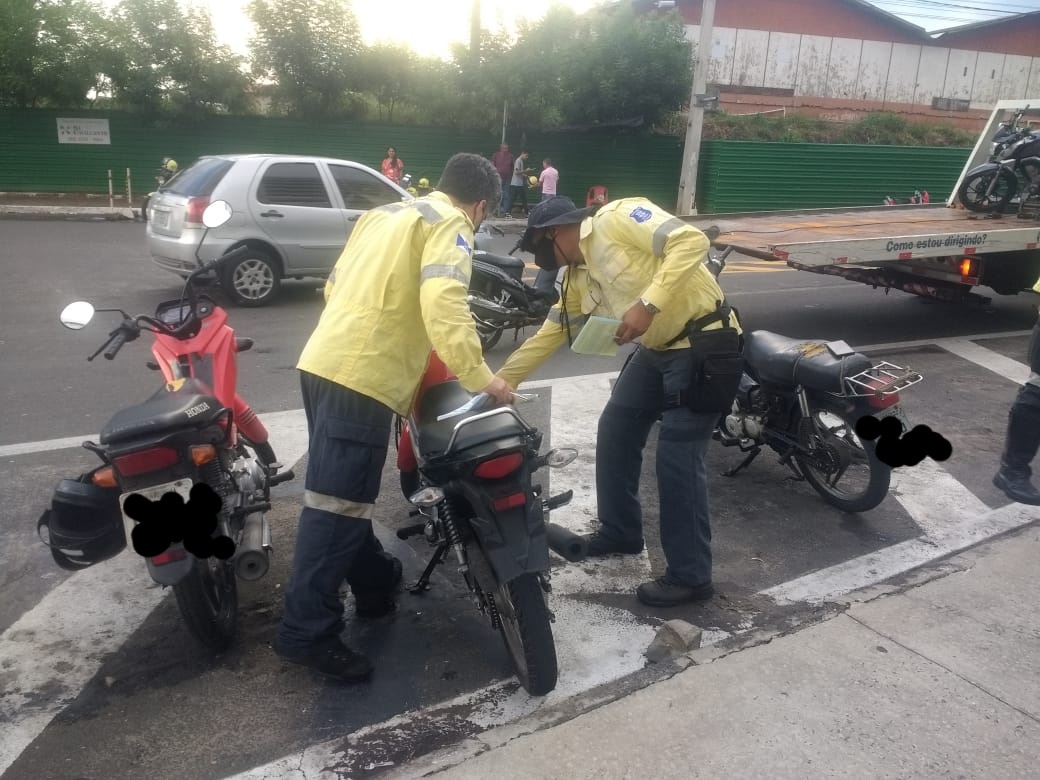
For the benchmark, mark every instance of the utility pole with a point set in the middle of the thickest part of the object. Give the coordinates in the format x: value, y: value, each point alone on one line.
x: 687, y: 204
x: 474, y: 30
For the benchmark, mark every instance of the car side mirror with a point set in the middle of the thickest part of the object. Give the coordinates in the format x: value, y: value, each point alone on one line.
x: 77, y: 314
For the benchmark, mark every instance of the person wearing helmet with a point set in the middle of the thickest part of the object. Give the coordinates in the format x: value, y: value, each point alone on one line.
x: 518, y: 184
x: 549, y: 180
x: 166, y: 170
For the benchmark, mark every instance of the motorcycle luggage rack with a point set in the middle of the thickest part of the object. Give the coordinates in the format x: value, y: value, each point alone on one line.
x: 892, y: 379
x: 483, y: 416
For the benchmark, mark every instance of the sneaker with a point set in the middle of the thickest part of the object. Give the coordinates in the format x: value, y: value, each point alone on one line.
x: 507, y: 216
x: 379, y: 603
x: 330, y: 657
x: 666, y: 592
x: 600, y: 546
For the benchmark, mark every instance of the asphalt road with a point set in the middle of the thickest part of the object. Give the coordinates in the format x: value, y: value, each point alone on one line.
x: 159, y: 706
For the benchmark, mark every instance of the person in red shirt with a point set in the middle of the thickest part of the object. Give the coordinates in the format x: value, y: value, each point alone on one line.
x: 503, y: 162
x: 393, y: 166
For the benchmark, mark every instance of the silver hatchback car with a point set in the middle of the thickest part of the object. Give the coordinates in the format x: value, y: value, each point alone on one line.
x: 294, y: 214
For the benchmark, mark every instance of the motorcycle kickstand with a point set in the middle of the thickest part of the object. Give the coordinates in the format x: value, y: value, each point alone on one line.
x: 743, y: 464
x: 423, y: 583
x: 788, y: 460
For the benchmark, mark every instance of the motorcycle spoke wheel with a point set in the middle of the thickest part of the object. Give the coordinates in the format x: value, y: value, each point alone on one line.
x: 523, y: 621
x: 840, y: 466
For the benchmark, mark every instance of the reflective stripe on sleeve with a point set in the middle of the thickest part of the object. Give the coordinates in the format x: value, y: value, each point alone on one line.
x: 337, y: 506
x: 556, y: 315
x: 430, y: 214
x: 662, y: 233
x: 442, y: 271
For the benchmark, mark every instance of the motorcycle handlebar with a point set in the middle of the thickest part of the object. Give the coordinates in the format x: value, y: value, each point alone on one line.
x: 516, y: 246
x: 116, y: 345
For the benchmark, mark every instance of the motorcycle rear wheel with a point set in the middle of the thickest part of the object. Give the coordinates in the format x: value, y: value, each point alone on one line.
x: 523, y: 622
x: 208, y: 596
x: 972, y: 192
x: 829, y: 450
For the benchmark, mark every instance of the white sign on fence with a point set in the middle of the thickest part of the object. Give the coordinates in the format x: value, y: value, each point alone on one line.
x: 83, y: 131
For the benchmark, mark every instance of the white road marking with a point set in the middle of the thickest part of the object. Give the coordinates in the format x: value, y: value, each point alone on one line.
x: 73, y: 628
x: 988, y: 359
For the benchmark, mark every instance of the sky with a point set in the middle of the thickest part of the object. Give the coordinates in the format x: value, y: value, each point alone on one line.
x: 428, y: 27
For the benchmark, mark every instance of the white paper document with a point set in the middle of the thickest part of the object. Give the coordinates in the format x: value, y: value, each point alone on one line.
x: 597, y: 337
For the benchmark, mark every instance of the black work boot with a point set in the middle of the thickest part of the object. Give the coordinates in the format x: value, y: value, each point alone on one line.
x: 1023, y: 440
x: 667, y: 592
x: 331, y: 657
x: 600, y: 546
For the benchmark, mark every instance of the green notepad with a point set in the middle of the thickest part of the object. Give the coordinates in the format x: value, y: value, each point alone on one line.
x: 597, y: 337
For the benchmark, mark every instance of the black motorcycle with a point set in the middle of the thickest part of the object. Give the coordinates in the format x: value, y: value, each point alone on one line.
x: 1013, y: 169
x: 500, y: 300
x: 477, y: 502
x: 802, y: 398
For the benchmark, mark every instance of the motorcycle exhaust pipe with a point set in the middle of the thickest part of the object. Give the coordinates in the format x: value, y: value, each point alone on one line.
x: 253, y: 557
x: 566, y: 543
x: 489, y: 310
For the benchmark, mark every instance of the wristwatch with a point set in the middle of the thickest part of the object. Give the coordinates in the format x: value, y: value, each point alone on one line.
x: 649, y: 306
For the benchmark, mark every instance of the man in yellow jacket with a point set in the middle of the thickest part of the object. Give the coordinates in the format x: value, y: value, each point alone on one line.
x: 1023, y: 433
x: 397, y: 292
x: 634, y: 262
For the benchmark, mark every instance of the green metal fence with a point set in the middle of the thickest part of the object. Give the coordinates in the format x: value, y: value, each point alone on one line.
x: 734, y: 175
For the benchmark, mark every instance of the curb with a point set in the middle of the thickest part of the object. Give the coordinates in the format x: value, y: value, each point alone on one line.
x: 85, y: 213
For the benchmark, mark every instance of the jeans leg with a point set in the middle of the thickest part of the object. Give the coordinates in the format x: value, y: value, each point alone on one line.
x: 507, y: 200
x: 347, y: 450
x: 621, y: 436
x: 682, y: 480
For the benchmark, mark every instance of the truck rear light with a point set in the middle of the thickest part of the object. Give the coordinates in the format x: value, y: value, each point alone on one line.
x: 499, y: 467
x: 193, y: 215
x: 509, y: 502
x: 145, y: 461
x: 172, y: 555
x: 969, y: 267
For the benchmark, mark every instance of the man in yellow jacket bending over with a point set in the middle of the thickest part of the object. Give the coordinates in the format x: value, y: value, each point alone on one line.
x: 634, y: 262
x: 397, y: 292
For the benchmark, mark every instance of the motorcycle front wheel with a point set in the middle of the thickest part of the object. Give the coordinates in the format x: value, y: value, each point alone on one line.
x: 523, y: 621
x: 972, y: 192
x: 840, y: 466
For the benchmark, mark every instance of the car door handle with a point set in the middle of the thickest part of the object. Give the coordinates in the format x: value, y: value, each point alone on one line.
x: 353, y: 218
x: 271, y: 213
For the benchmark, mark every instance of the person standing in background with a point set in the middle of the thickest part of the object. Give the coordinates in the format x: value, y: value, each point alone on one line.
x: 548, y: 180
x: 393, y: 166
x: 518, y: 184
x: 503, y: 162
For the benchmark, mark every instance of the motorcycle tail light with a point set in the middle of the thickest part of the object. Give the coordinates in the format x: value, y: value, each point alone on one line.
x: 145, y: 461
x: 170, y: 556
x: 195, y: 207
x: 509, y: 502
x: 499, y: 467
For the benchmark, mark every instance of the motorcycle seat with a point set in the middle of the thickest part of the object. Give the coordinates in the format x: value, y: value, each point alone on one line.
x: 434, y: 436
x: 806, y: 362
x: 191, y: 406
x: 505, y: 262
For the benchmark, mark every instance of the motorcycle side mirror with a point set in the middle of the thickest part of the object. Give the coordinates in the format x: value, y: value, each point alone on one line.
x: 216, y: 214
x: 76, y: 315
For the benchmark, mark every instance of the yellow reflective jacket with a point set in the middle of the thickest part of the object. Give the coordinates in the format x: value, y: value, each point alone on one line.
x: 633, y: 249
x: 398, y: 291
x: 1036, y: 287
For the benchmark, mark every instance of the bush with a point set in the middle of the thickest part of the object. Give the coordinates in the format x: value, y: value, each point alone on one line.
x: 882, y: 127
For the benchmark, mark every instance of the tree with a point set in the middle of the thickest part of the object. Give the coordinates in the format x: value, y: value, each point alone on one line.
x: 389, y: 73
x: 310, y: 49
x: 167, y: 62
x: 50, y: 52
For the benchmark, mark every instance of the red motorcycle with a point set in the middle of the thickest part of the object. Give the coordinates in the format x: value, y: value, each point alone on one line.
x: 194, y: 430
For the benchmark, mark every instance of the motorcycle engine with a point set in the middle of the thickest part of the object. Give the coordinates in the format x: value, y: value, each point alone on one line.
x: 248, y: 476
x: 748, y: 417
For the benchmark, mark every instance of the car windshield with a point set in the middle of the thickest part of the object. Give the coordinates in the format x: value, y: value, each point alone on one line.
x: 200, y: 178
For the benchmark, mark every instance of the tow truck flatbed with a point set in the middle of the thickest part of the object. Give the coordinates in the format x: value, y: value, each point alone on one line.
x: 868, y: 235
